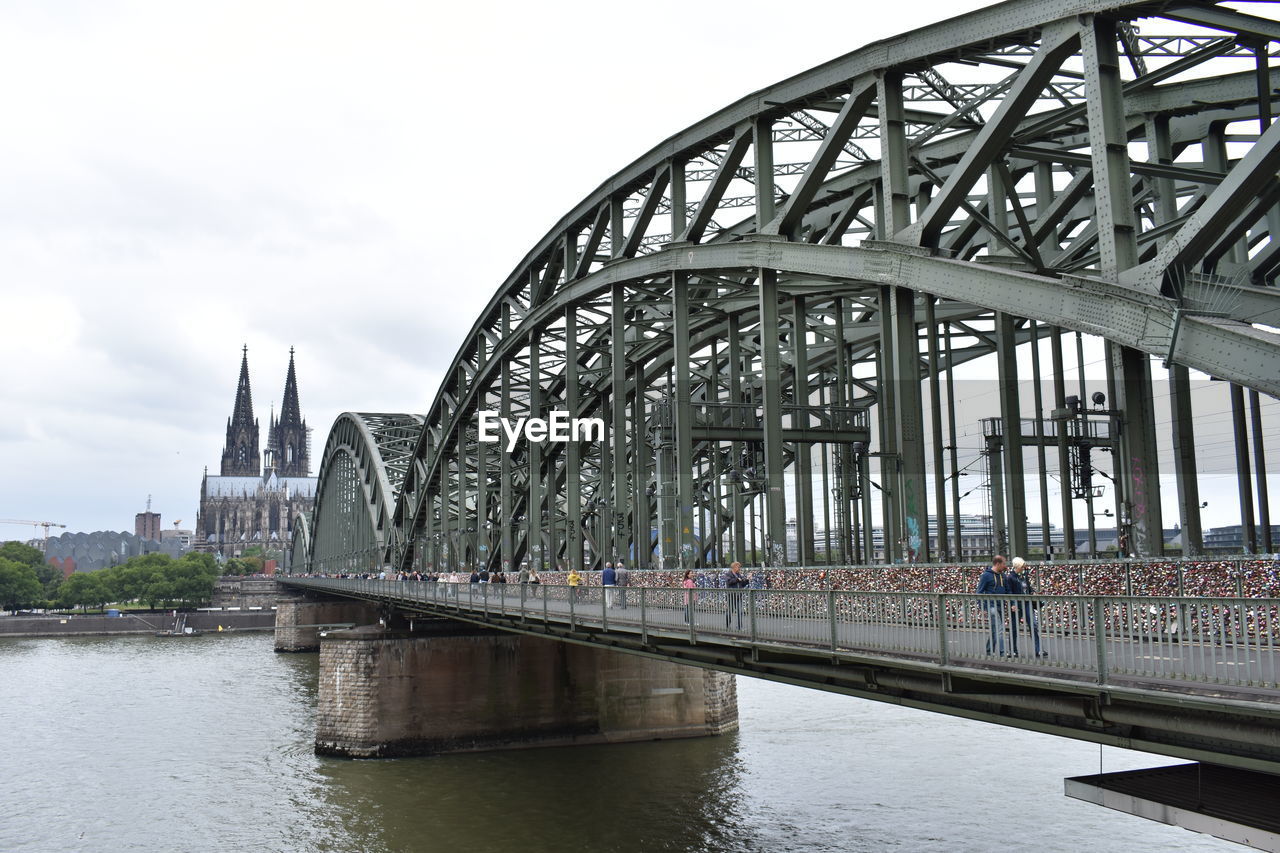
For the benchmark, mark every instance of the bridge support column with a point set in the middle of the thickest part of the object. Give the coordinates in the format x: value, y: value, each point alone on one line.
x: 296, y: 618
x: 445, y: 687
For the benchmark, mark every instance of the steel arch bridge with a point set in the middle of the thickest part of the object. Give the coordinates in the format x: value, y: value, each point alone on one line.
x: 772, y: 303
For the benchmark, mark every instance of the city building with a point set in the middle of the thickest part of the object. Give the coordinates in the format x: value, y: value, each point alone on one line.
x: 101, y: 549
x: 146, y: 525
x: 1230, y: 539
x: 184, y: 538
x: 256, y: 498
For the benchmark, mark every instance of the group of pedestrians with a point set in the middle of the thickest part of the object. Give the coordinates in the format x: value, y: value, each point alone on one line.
x: 734, y: 583
x: 999, y: 580
x: 615, y: 580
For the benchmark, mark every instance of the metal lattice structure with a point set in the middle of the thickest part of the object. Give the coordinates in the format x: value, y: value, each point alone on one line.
x: 366, y: 459
x: 768, y: 304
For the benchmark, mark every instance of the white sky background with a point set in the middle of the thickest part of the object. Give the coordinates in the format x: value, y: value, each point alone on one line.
x: 350, y: 179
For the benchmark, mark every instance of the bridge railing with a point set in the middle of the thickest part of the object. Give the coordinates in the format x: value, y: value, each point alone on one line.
x: 1225, y: 642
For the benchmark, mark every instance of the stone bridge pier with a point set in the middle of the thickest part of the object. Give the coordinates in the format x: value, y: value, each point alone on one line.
x: 299, y: 620
x: 431, y: 686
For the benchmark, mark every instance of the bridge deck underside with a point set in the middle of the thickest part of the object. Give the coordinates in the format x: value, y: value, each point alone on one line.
x: 1238, y: 805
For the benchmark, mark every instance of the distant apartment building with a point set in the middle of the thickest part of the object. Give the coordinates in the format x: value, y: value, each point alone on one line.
x: 1230, y: 539
x: 146, y: 525
x: 183, y: 538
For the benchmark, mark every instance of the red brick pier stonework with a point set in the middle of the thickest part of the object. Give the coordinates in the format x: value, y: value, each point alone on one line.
x: 449, y: 687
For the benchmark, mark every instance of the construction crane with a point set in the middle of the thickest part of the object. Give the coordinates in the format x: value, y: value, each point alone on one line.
x: 45, y: 524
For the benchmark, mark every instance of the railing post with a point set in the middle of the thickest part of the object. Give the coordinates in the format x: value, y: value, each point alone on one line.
x: 831, y: 617
x: 751, y: 614
x: 573, y: 625
x: 604, y: 610
x: 644, y: 618
x: 944, y: 655
x: 1100, y: 638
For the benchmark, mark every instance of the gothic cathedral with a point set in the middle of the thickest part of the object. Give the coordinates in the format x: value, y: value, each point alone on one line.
x: 258, y: 498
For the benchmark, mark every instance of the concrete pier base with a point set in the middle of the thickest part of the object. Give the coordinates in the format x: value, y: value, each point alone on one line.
x: 296, y: 618
x: 449, y: 688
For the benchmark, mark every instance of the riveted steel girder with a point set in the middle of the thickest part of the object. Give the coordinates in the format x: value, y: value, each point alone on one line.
x: 724, y: 313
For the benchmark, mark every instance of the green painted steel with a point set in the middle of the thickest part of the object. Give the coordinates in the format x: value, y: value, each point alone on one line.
x: 753, y: 306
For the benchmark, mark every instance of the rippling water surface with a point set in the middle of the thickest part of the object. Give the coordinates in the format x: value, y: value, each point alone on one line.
x: 204, y: 744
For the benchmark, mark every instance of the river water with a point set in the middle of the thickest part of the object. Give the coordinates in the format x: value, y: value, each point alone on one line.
x: 204, y: 744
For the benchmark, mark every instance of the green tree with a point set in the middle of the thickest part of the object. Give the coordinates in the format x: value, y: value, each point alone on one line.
x: 240, y: 566
x: 19, y: 586
x: 204, y: 562
x: 49, y: 576
x: 83, y: 589
x: 191, y: 579
x: 160, y: 580
x: 139, y: 578
x: 20, y: 553
x: 262, y: 555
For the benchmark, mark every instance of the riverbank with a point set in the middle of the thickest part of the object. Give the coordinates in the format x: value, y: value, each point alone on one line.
x: 148, y: 622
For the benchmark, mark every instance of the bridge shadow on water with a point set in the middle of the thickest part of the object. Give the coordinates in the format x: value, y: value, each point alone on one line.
x: 666, y: 795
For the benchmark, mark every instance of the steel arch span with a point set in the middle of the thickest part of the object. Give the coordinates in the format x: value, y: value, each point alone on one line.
x: 365, y: 460
x: 772, y: 303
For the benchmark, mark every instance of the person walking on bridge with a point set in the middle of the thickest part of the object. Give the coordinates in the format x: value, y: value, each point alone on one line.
x: 992, y: 583
x: 688, y: 583
x: 608, y: 580
x: 735, y: 582
x: 1019, y: 583
x: 624, y: 580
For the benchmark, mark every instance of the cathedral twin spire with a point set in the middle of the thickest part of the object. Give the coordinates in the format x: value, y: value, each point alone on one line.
x: 287, y: 449
x: 287, y: 437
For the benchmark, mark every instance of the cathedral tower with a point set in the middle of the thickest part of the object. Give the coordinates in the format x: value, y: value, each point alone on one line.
x: 287, y: 437
x: 240, y: 456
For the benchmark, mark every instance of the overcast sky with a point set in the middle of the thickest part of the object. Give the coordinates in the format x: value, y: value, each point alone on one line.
x: 351, y: 179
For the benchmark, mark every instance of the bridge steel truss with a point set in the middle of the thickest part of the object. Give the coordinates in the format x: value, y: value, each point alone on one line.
x: 767, y: 309
x: 365, y: 462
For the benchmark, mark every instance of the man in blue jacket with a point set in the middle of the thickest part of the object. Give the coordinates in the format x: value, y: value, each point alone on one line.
x: 608, y: 580
x: 992, y: 583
